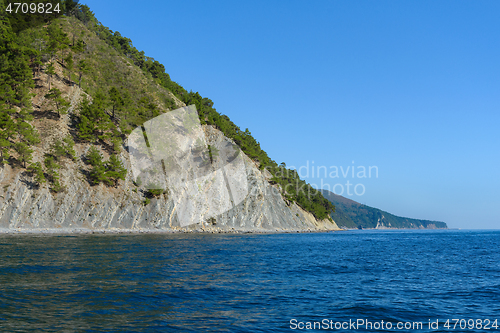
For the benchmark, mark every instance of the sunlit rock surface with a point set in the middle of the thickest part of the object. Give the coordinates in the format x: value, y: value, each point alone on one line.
x: 84, y: 208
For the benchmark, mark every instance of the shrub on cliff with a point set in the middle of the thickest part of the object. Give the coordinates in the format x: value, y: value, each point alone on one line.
x: 114, y: 170
x: 36, y: 170
x: 108, y: 172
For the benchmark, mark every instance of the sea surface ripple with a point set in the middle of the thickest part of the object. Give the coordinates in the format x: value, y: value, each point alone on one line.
x: 247, y: 283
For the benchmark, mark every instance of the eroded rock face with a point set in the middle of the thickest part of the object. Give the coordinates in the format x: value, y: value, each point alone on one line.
x: 83, y: 208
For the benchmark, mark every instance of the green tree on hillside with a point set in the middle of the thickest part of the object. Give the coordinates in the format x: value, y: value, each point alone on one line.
x: 4, y: 148
x: 69, y: 146
x: 116, y: 99
x: 50, y: 70
x: 94, y: 156
x: 8, y: 128
x: 24, y: 151
x: 82, y: 69
x: 115, y: 170
x: 63, y: 148
x: 58, y: 39
x: 15, y: 72
x: 27, y: 132
x: 52, y: 171
x: 8, y: 95
x: 97, y: 173
x: 79, y: 46
x: 57, y: 149
x: 94, y: 121
x: 36, y: 170
x: 55, y: 96
x: 69, y: 65
x: 108, y: 172
x: 7, y: 125
x: 85, y: 129
x: 28, y: 137
x: 34, y: 41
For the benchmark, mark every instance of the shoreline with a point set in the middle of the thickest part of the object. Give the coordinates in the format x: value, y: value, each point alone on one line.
x: 66, y: 231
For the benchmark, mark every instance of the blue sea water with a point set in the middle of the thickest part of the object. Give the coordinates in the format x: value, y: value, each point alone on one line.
x: 250, y: 283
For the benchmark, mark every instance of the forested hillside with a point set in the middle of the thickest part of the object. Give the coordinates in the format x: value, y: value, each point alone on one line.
x: 47, y: 56
x: 351, y: 214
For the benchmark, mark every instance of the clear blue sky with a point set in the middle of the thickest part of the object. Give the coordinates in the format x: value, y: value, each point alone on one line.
x: 412, y: 87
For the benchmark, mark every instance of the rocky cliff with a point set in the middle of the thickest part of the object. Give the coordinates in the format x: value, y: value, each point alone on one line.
x: 82, y: 207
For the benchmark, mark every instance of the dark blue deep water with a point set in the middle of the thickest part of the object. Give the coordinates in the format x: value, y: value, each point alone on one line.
x: 249, y: 283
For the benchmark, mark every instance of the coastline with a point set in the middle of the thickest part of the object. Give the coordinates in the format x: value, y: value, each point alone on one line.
x: 66, y: 231
x: 117, y: 231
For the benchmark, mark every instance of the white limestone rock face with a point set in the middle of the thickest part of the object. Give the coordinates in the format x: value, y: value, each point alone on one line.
x: 81, y: 207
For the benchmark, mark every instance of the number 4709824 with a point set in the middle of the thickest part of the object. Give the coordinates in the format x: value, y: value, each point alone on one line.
x: 471, y: 324
x: 25, y: 8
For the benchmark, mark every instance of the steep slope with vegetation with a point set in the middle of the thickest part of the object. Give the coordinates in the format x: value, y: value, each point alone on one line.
x: 70, y: 92
x: 351, y: 214
x: 297, y: 190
